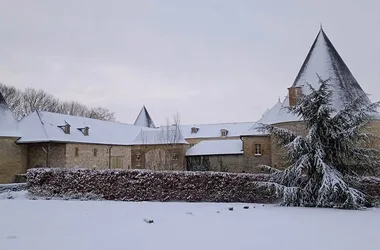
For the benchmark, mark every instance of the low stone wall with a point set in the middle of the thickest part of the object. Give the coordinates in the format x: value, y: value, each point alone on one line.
x: 140, y: 185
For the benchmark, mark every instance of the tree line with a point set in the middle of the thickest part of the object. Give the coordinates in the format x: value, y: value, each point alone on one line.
x: 24, y: 102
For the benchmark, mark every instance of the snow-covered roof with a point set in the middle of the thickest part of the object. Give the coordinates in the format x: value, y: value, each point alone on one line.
x: 8, y: 124
x: 324, y: 60
x: 216, y: 147
x: 160, y: 136
x: 278, y: 113
x: 144, y: 119
x: 214, y: 130
x: 45, y: 126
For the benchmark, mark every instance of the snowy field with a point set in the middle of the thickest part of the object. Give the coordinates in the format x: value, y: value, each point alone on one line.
x: 104, y: 225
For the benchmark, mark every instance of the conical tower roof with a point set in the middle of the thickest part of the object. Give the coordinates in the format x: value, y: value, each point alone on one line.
x: 144, y: 119
x: 324, y: 60
x: 8, y: 124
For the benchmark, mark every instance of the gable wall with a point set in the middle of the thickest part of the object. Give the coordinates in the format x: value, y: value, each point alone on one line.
x: 13, y: 159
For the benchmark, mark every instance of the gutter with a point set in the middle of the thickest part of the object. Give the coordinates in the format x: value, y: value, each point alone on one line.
x: 109, y: 156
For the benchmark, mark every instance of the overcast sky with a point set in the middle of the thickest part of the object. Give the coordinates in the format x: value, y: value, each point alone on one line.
x: 211, y: 61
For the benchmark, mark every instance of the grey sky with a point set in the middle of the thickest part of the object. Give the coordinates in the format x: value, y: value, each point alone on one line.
x: 212, y: 61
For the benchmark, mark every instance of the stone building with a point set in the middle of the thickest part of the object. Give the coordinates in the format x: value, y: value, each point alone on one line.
x: 44, y: 139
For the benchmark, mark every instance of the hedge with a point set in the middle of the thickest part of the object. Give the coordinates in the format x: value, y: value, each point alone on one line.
x: 144, y: 185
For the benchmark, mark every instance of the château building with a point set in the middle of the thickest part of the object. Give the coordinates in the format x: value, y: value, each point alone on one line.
x: 44, y: 139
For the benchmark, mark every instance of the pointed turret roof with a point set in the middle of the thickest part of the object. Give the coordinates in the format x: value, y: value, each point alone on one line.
x: 8, y: 124
x: 324, y: 60
x: 144, y: 119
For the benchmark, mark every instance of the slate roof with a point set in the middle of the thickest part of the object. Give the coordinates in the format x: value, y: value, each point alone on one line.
x: 324, y: 60
x: 144, y: 119
x: 235, y: 129
x: 159, y: 136
x: 216, y: 147
x: 44, y: 126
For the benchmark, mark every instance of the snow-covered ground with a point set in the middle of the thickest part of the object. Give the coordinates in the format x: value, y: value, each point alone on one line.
x: 104, y: 225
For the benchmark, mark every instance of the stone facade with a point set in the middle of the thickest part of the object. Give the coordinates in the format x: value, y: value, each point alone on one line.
x: 248, y: 162
x: 13, y: 159
x: 79, y: 155
x: 97, y: 156
x: 278, y: 158
x: 159, y: 157
x: 17, y: 158
x: 46, y: 155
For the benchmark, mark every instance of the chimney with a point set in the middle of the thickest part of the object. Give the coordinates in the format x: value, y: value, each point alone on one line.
x: 295, y: 94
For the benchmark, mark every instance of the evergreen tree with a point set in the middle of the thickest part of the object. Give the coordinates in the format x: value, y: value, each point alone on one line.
x: 336, y: 148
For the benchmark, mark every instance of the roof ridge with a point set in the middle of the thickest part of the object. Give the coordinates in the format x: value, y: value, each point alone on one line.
x: 42, y: 123
x: 222, y: 123
x: 55, y: 113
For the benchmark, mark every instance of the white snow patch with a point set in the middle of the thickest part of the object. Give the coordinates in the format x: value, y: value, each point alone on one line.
x: 214, y: 130
x: 216, y: 147
x: 43, y: 126
x: 99, y: 225
x: 8, y: 124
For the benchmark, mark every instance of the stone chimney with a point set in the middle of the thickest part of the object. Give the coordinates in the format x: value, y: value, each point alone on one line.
x: 295, y: 94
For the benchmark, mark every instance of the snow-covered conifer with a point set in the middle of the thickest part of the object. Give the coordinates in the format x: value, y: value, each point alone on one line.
x: 336, y: 146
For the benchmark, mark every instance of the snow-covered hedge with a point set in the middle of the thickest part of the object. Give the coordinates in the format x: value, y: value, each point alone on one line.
x: 138, y: 185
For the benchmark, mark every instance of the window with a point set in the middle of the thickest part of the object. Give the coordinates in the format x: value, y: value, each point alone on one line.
x: 223, y: 132
x: 65, y: 128
x: 258, y: 149
x: 194, y: 130
x: 175, y: 156
x: 191, y: 145
x: 76, y: 151
x: 85, y: 131
x: 95, y: 152
x: 138, y: 157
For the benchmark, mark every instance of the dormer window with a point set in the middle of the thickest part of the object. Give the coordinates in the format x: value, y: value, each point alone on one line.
x: 194, y: 130
x: 223, y: 132
x: 85, y: 131
x: 65, y: 128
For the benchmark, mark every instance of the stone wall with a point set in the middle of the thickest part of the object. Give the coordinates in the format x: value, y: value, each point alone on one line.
x: 279, y: 154
x: 46, y: 155
x: 227, y: 163
x: 279, y: 159
x: 97, y: 156
x: 13, y: 159
x: 159, y: 157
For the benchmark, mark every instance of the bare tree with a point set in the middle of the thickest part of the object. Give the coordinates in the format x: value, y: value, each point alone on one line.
x: 22, y: 103
x: 161, y: 148
x: 38, y: 100
x: 12, y: 97
x: 170, y: 136
x: 101, y: 114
